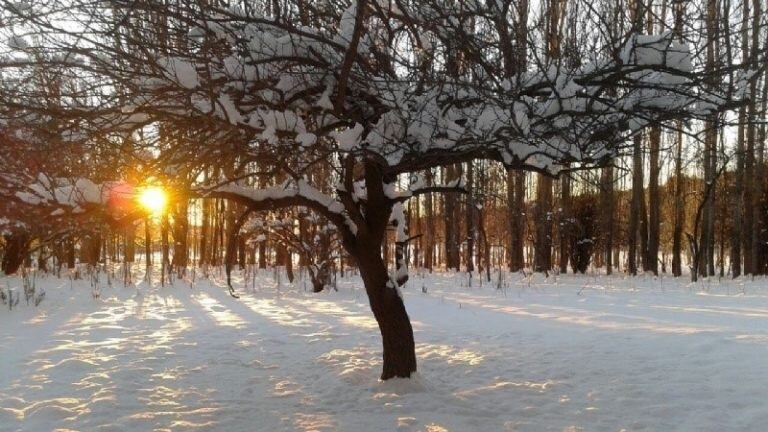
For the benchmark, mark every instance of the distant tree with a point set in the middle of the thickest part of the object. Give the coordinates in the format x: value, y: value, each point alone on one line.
x: 583, y: 232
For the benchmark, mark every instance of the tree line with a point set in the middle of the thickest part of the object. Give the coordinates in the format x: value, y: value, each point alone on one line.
x: 383, y: 135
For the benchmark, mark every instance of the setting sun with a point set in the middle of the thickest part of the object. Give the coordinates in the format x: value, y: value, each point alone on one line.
x: 153, y: 199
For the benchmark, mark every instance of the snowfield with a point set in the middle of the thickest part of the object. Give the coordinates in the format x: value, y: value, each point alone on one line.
x: 543, y: 354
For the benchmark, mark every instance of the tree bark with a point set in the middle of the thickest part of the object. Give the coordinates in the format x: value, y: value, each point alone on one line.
x: 394, y: 324
x: 165, y: 248
x: 543, y: 246
x: 429, y: 242
x: 450, y: 219
x: 204, y: 230
x: 180, y: 233
x: 565, y: 221
x: 607, y: 203
x: 757, y: 148
x: 636, y: 207
x: 654, y: 203
x: 148, y: 248
x: 469, y: 215
x: 516, y: 209
x: 129, y: 253
x: 263, y: 254
x: 69, y: 244
x: 16, y: 251
x: 399, y: 350
x: 677, y: 233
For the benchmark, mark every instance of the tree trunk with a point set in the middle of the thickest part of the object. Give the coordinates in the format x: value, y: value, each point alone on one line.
x: 129, y: 253
x: 16, y: 250
x: 242, y: 256
x: 148, y: 248
x: 429, y: 242
x: 703, y: 240
x: 737, y: 197
x: 204, y: 229
x: 263, y: 254
x: 469, y: 215
x: 763, y: 133
x: 654, y: 203
x: 543, y: 246
x: 565, y: 221
x: 389, y: 311
x: 451, y: 221
x: 70, y: 246
x: 756, y: 148
x: 515, y: 204
x: 607, y: 203
x: 637, y: 205
x: 180, y: 233
x: 288, y: 260
x: 164, y: 241
x: 91, y: 249
x: 677, y: 233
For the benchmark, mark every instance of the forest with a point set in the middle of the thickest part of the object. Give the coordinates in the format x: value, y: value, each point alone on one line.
x: 164, y: 142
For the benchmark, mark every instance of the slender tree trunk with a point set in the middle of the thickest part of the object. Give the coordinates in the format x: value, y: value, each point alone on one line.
x: 263, y: 254
x: 607, y: 204
x: 679, y: 217
x: 429, y: 232
x: 516, y: 209
x: 242, y: 256
x: 712, y: 210
x: 565, y: 221
x: 706, y: 241
x: 451, y: 222
x: 129, y: 251
x: 703, y: 240
x: 761, y: 258
x: 544, y: 217
x: 148, y: 248
x: 414, y: 215
x: 654, y: 202
x: 469, y: 215
x: 637, y: 206
x: 737, y: 201
x: 543, y: 220
x: 204, y: 230
x: 757, y: 148
x: 180, y: 233
x: 70, y: 246
x: 511, y: 213
x: 643, y: 234
x: 165, y: 248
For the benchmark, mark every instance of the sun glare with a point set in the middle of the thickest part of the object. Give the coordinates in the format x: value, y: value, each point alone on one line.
x: 153, y: 199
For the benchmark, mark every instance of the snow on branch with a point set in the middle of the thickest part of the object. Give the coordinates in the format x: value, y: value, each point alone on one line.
x: 545, y: 119
x: 295, y: 193
x: 75, y: 195
x: 397, y: 218
x: 418, y: 186
x: 342, y: 87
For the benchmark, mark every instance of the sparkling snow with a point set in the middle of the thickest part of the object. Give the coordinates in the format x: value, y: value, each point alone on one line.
x: 557, y: 354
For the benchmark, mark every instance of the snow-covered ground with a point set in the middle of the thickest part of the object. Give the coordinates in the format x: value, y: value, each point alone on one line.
x: 558, y: 354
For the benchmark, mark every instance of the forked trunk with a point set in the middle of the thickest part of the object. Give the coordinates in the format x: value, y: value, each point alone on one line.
x: 390, y: 314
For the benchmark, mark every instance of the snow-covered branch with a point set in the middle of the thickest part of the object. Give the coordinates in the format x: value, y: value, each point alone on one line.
x: 291, y: 194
